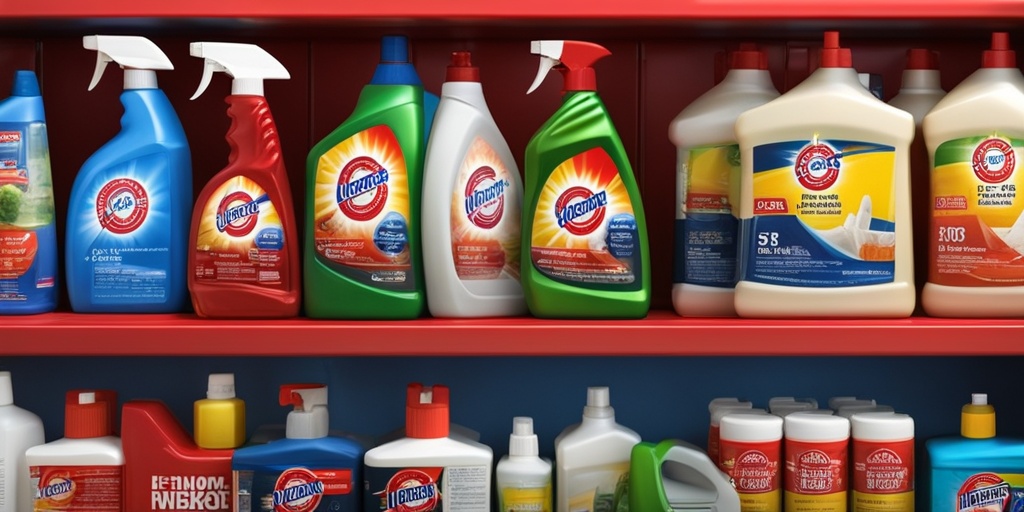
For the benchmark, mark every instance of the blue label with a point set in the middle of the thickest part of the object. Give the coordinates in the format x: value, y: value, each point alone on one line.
x: 270, y: 239
x: 391, y: 235
x: 706, y: 250
x: 622, y: 237
x: 780, y: 249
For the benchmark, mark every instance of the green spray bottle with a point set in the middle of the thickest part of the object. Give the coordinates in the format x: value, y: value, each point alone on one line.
x: 584, y: 250
x: 363, y: 181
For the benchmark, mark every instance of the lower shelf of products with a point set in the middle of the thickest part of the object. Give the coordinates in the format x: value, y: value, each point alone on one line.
x: 661, y: 333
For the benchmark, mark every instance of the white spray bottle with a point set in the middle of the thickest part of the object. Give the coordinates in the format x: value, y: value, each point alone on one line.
x: 472, y: 196
x: 523, y: 478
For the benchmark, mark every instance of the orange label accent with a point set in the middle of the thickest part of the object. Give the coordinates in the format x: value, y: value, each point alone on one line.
x: 78, y: 488
x: 17, y: 252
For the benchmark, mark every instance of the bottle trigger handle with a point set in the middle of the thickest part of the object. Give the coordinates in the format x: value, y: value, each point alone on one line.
x: 101, y: 65
x: 209, y: 68
x: 546, y: 63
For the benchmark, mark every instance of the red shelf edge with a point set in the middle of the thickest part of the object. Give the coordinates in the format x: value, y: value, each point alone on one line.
x: 661, y: 334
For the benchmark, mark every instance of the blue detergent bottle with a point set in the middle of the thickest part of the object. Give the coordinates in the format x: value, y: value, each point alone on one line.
x: 976, y: 471
x: 28, y: 234
x: 308, y: 470
x: 130, y: 207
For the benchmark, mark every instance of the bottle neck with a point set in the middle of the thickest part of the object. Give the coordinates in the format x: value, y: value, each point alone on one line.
x: 253, y: 133
x: 139, y: 79
x: 921, y: 79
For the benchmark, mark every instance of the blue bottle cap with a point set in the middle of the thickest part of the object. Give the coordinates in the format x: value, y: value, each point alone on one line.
x: 25, y: 83
x: 394, y: 49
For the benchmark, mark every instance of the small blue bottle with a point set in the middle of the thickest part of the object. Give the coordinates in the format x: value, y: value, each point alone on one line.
x: 308, y: 470
x: 28, y: 234
x: 129, y: 213
x: 976, y: 471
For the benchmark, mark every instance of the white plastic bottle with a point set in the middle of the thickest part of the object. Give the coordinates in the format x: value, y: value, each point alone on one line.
x: 707, y: 185
x: 592, y: 457
x: 752, y: 457
x: 522, y: 477
x: 825, y: 200
x: 19, y: 431
x: 427, y: 466
x: 472, y: 197
x: 975, y: 138
x: 84, y: 470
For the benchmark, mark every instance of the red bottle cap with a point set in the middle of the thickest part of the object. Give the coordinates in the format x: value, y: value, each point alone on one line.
x: 461, y: 69
x: 426, y: 411
x: 1000, y: 55
x: 748, y: 57
x: 832, y: 55
x: 920, y: 58
x: 87, y: 414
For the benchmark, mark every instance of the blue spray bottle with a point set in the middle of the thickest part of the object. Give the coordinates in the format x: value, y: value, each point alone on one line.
x: 128, y: 218
x: 28, y: 236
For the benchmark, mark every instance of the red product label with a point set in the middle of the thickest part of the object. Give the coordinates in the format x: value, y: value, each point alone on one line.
x: 714, y: 446
x: 967, y: 252
x: 17, y: 252
x: 78, y: 488
x: 301, y: 489
x: 753, y: 467
x: 883, y: 467
x: 816, y: 468
x: 984, y: 492
x: 770, y: 205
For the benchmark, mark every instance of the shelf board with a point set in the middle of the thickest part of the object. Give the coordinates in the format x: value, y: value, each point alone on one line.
x: 522, y: 9
x: 661, y: 333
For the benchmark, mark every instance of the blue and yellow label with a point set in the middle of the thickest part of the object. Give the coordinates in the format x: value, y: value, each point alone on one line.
x: 706, y: 225
x: 824, y: 214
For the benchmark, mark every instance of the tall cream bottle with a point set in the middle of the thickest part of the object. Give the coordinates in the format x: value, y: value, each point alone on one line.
x: 975, y: 139
x: 825, y: 200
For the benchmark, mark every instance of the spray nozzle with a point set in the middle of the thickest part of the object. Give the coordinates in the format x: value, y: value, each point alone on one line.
x: 573, y: 58
x: 138, y: 56
x: 248, y: 64
x: 304, y: 397
x: 522, y: 442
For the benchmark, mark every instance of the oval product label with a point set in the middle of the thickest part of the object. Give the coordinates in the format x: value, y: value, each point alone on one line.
x: 485, y: 217
x: 824, y: 214
x: 297, y: 490
x: 984, y: 492
x: 584, y: 226
x: 122, y: 205
x: 977, y: 228
x: 816, y: 476
x: 76, y: 488
x: 240, y: 237
x: 362, y: 209
x: 412, y: 490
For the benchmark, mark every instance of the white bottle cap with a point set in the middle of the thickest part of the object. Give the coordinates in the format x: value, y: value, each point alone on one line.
x: 6, y: 389
x: 809, y: 427
x: 725, y: 400
x: 598, y: 403
x: 86, y: 398
x: 221, y: 386
x: 836, y: 402
x: 751, y: 428
x: 522, y: 442
x: 722, y: 410
x: 309, y: 419
x: 784, y: 408
x: 776, y: 401
x: 979, y: 398
x: 882, y: 426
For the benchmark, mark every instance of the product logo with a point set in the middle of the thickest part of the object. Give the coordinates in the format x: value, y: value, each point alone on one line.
x: 817, y: 166
x: 884, y: 471
x: 190, y: 492
x: 580, y: 211
x: 58, y: 490
x: 237, y: 214
x: 362, y: 188
x: 485, y: 198
x: 8, y: 137
x: 993, y: 161
x: 984, y: 491
x: 755, y: 472
x: 297, y: 490
x: 814, y: 473
x: 411, y: 490
x: 122, y: 206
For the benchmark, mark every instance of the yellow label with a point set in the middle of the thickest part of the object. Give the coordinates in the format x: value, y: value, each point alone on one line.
x: 834, y: 502
x: 761, y: 502
x: 711, y: 179
x: 865, y: 502
x: 532, y: 499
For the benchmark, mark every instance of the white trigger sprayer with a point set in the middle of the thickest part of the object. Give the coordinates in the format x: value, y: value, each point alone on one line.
x: 138, y: 56
x: 574, y: 59
x: 247, y: 64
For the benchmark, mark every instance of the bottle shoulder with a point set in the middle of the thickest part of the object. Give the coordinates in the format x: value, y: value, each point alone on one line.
x: 443, y: 450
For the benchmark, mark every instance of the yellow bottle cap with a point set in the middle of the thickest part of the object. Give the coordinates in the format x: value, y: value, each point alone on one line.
x: 978, y: 418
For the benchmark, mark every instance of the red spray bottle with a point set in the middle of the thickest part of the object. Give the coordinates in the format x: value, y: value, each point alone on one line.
x: 244, y: 254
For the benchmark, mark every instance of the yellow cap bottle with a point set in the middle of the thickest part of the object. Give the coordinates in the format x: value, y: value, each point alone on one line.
x: 978, y: 418
x: 220, y: 417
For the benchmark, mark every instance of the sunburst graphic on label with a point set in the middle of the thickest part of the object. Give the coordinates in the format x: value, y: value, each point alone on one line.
x: 234, y: 215
x: 580, y: 194
x: 358, y: 181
